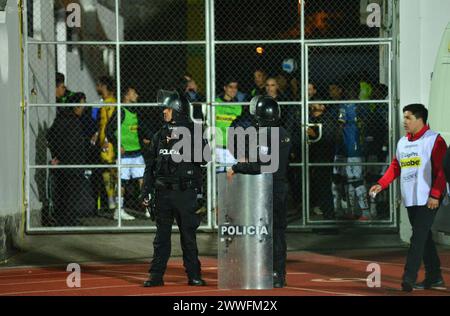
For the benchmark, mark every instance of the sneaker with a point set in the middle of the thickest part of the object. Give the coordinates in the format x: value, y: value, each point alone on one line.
x: 123, y: 215
x: 426, y: 284
x: 111, y: 203
x: 147, y: 213
x: 364, y: 218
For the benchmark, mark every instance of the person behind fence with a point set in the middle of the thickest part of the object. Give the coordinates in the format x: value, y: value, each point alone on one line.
x: 259, y: 79
x: 190, y: 87
x: 321, y: 151
x: 267, y: 114
x: 133, y: 136
x: 350, y: 150
x: 69, y: 145
x: 61, y: 92
x: 225, y: 115
x: 171, y: 183
x: 105, y: 88
x: 290, y: 120
x: 283, y: 86
x: 291, y: 73
x: 419, y: 164
x: 336, y: 93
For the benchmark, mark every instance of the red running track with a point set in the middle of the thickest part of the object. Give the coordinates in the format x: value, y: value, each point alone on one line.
x: 309, y: 274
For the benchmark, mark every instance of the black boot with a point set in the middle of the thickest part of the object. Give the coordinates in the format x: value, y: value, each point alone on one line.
x: 196, y: 282
x: 154, y: 281
x: 279, y: 280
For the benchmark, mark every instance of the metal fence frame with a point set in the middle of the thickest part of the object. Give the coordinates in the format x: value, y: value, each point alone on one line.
x: 210, y: 43
x: 392, y: 222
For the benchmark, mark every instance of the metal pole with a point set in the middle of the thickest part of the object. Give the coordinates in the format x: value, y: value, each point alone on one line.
x: 209, y: 169
x: 81, y: 166
x: 392, y: 213
x: 285, y: 41
x: 113, y: 43
x: 119, y: 118
x: 368, y: 40
x: 346, y: 44
x: 212, y: 47
x: 27, y: 114
x: 393, y: 107
x: 304, y: 90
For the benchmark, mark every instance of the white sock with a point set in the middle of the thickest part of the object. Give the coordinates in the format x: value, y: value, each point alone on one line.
x: 120, y: 203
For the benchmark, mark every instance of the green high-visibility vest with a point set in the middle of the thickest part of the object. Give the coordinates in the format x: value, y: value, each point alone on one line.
x: 225, y: 115
x: 129, y: 132
x: 66, y: 96
x: 365, y: 92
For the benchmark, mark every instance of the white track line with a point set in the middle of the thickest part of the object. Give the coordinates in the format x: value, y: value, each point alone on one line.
x: 30, y: 274
x: 366, y: 261
x: 58, y: 265
x: 46, y: 273
x: 53, y: 281
x: 99, y: 278
x: 65, y: 290
x: 321, y: 291
x: 26, y: 272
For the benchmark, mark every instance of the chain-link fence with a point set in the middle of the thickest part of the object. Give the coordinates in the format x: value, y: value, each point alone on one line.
x: 349, y: 97
x: 88, y: 59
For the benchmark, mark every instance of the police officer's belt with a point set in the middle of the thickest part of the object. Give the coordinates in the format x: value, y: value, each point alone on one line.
x: 180, y: 186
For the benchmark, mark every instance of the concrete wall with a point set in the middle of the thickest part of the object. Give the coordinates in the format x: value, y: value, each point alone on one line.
x: 10, y: 135
x: 41, y: 89
x: 422, y: 23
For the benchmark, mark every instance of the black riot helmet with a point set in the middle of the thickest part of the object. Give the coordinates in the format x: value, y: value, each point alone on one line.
x: 178, y: 102
x: 266, y: 110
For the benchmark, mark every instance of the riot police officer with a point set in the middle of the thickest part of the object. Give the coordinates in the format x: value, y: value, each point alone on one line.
x: 171, y: 186
x: 267, y: 114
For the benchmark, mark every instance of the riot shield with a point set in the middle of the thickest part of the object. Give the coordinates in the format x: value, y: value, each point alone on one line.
x: 245, y: 232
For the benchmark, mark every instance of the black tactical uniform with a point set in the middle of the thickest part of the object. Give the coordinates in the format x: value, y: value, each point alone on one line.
x: 175, y: 185
x: 267, y: 114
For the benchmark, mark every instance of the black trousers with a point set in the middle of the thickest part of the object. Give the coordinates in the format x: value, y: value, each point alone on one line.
x: 72, y: 197
x: 320, y: 192
x: 279, y: 227
x: 181, y: 206
x: 422, y: 246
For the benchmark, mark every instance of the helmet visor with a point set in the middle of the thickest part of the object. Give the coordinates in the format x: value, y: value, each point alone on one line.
x: 253, y: 104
